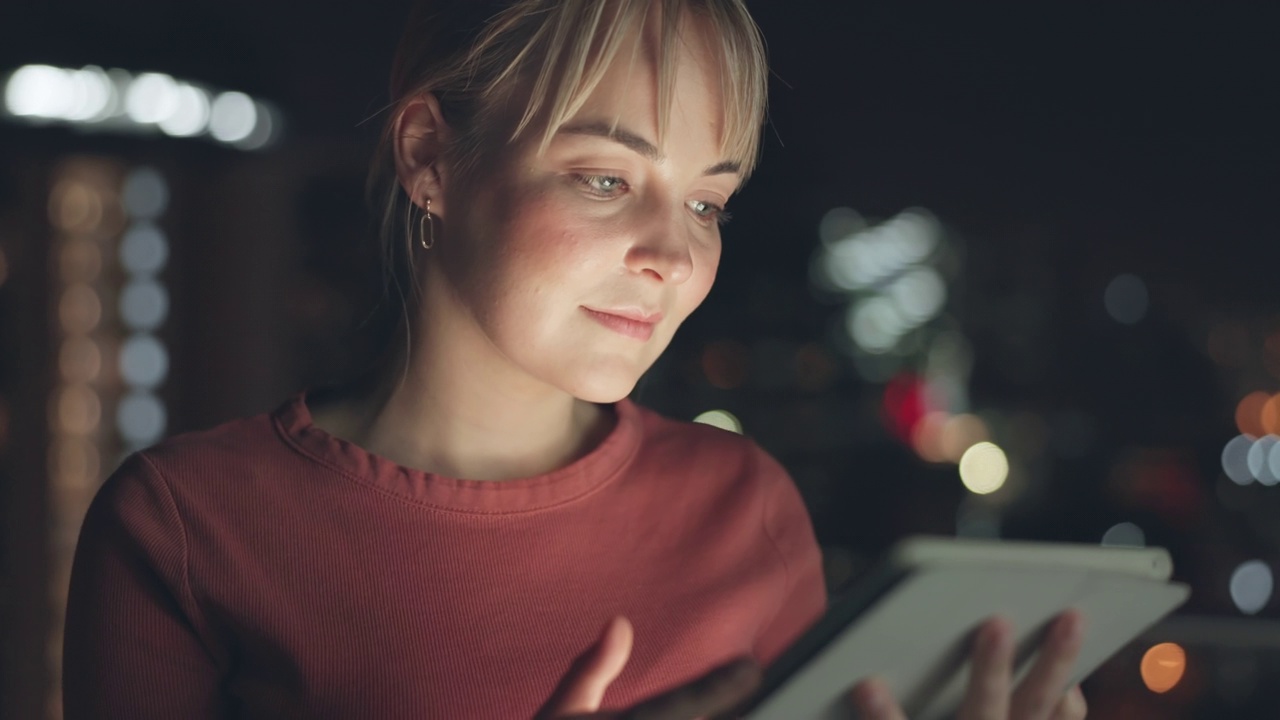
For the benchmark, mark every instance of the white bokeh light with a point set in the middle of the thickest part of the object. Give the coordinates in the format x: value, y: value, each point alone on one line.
x: 144, y: 304
x: 232, y: 117
x: 144, y: 363
x: 191, y: 116
x: 1235, y: 459
x: 1259, y: 460
x: 984, y: 468
x: 152, y: 98
x: 918, y: 294
x: 1125, y: 534
x: 144, y: 249
x: 875, y: 325
x: 38, y: 91
x: 722, y: 419
x: 1251, y: 586
x: 146, y: 194
x: 141, y: 418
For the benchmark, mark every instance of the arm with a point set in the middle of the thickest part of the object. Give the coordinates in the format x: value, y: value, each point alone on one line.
x: 130, y: 647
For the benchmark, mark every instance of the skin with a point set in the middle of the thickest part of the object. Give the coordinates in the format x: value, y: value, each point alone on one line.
x: 505, y: 345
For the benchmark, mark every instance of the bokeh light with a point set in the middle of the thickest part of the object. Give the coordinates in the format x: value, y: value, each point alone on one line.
x: 1163, y: 666
x: 77, y: 410
x: 80, y: 309
x: 961, y: 432
x: 1126, y: 299
x: 1249, y: 413
x: 141, y: 418
x: 1270, y: 416
x: 144, y: 249
x: 145, y: 193
x: 1259, y: 460
x: 1125, y: 534
x: 722, y: 419
x: 79, y: 360
x: 144, y: 362
x: 152, y: 98
x: 190, y: 115
x: 144, y: 304
x: 232, y: 117
x: 1251, y: 586
x: 984, y: 468
x: 80, y: 260
x: 75, y: 206
x: 1235, y: 459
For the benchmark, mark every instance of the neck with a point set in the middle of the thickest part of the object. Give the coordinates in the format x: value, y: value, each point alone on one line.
x: 463, y: 415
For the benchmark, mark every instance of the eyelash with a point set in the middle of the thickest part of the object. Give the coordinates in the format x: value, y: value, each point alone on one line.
x: 717, y: 213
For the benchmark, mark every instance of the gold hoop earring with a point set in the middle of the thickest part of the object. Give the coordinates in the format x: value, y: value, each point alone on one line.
x: 426, y: 229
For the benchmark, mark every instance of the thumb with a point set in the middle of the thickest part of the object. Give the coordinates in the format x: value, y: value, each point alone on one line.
x: 581, y: 690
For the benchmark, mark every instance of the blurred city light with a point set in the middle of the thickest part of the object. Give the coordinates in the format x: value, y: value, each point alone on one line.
x: 1259, y: 460
x: 1126, y: 299
x: 1235, y: 459
x: 116, y: 100
x: 1270, y: 416
x: 722, y: 419
x: 1125, y: 534
x: 1251, y: 586
x: 1163, y: 666
x: 1249, y: 413
x: 79, y: 360
x: 144, y: 304
x: 151, y: 98
x: 80, y: 310
x: 141, y: 418
x: 144, y: 362
x: 78, y: 410
x: 984, y: 468
x: 961, y: 432
x: 145, y: 193
x: 144, y: 249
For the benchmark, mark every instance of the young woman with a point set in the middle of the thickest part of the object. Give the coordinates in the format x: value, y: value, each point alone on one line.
x: 488, y: 528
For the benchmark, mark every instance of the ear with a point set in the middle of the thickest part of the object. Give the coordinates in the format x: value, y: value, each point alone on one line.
x: 420, y: 138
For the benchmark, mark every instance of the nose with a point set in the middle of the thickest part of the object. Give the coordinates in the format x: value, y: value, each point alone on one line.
x: 662, y: 251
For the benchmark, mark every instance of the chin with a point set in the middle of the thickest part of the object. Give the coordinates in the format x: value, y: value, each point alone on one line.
x: 603, y: 387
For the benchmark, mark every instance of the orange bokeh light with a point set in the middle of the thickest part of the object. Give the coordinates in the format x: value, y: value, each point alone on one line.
x: 1270, y: 415
x: 1162, y: 667
x: 1249, y: 414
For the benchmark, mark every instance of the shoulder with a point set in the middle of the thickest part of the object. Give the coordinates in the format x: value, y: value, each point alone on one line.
x: 706, y: 446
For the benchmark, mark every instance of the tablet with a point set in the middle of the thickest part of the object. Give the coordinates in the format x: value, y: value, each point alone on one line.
x: 911, y: 621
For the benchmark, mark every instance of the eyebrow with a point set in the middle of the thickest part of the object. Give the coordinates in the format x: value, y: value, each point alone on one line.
x: 638, y: 144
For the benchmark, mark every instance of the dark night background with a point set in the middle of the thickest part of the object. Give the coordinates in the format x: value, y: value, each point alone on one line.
x: 1061, y: 144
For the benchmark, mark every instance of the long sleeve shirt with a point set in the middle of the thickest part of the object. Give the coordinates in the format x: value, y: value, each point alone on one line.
x: 268, y: 569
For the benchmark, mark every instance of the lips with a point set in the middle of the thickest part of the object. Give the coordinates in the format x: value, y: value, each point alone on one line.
x: 631, y: 322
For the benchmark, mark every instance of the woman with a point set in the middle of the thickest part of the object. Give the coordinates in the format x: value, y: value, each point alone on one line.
x: 447, y: 539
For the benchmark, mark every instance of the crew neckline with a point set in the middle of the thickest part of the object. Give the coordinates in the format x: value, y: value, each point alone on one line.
x: 487, y: 497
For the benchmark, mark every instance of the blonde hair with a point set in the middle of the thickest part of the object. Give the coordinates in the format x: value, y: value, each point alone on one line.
x: 478, y: 57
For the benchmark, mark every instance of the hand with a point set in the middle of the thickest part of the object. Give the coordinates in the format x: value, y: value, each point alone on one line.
x: 581, y: 691
x: 1042, y: 694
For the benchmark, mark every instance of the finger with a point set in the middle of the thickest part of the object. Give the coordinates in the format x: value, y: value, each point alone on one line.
x: 990, y: 673
x: 582, y: 689
x: 1039, y: 691
x: 1071, y: 706
x: 874, y: 701
x: 715, y: 692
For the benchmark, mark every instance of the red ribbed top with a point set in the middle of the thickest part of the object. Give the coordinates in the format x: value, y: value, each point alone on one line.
x: 267, y: 569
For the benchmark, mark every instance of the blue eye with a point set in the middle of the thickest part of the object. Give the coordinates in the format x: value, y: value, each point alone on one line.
x: 602, y: 185
x: 708, y: 211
